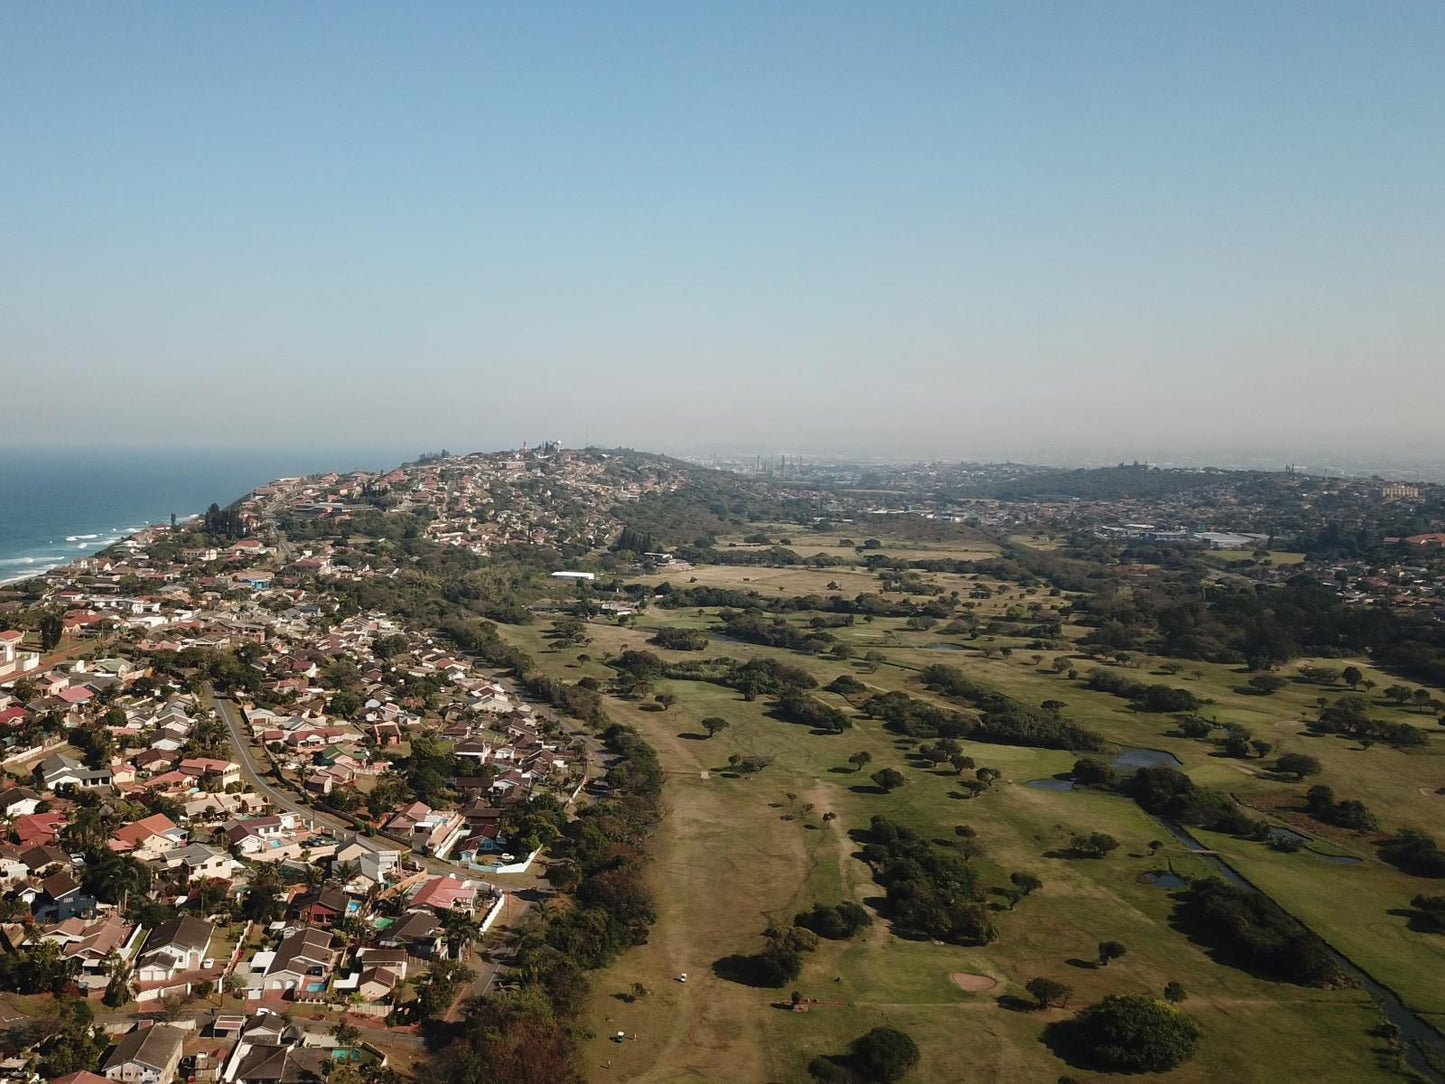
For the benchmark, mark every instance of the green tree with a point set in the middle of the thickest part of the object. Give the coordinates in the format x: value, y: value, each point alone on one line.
x: 883, y: 1054
x: 1046, y: 992
x: 1352, y: 676
x: 51, y: 630
x: 1174, y: 992
x: 1134, y: 1033
x: 888, y: 779
x: 1110, y: 950
x: 1297, y: 764
x: 714, y: 724
x: 860, y: 760
x: 1026, y: 883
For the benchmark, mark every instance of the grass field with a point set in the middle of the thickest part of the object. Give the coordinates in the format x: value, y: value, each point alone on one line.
x: 734, y: 855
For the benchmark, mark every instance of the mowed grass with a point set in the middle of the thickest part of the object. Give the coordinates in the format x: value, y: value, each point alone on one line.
x: 734, y: 855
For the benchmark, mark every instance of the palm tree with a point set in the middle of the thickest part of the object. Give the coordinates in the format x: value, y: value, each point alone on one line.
x: 460, y: 929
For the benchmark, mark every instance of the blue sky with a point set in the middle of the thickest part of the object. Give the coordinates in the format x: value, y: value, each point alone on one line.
x: 919, y: 229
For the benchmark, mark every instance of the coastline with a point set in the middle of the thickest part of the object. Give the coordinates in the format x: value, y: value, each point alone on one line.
x: 36, y: 567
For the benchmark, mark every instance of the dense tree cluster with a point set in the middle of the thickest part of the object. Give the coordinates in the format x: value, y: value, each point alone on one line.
x: 1169, y: 793
x: 1250, y: 928
x: 931, y: 891
x: 1347, y: 813
x: 837, y: 922
x: 675, y: 639
x: 1262, y: 625
x: 1152, y: 698
x: 1430, y: 911
x: 1414, y: 852
x: 1002, y: 720
x: 1350, y: 715
x: 799, y: 707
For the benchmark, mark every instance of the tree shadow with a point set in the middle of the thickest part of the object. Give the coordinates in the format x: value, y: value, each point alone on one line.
x: 1418, y: 921
x: 1086, y: 965
x: 745, y: 970
x: 867, y: 788
x: 1014, y: 1003
x: 689, y: 736
x: 841, y: 771
x: 1064, y: 1042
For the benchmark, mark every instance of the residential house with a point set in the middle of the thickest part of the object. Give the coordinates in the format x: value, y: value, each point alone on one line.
x: 147, y: 1055
x: 200, y: 862
x: 19, y: 801
x: 303, y: 962
x: 326, y: 906
x: 60, y: 898
x: 446, y: 893
x: 58, y: 770
x: 91, y: 942
x: 174, y: 946
x: 418, y: 932
x: 377, y: 860
x: 148, y: 838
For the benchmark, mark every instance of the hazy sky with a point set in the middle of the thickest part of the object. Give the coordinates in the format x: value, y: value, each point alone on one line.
x: 965, y: 229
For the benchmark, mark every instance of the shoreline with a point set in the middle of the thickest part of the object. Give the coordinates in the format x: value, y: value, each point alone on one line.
x: 43, y: 566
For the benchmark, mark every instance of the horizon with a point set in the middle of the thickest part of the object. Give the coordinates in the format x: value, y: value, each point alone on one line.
x: 378, y: 459
x: 1039, y: 232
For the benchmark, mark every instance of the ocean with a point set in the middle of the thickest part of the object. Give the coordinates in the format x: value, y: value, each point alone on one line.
x: 62, y: 503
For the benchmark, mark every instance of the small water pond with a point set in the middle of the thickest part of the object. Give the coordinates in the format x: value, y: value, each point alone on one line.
x: 941, y: 646
x: 1051, y: 784
x: 1165, y: 880
x: 1146, y: 758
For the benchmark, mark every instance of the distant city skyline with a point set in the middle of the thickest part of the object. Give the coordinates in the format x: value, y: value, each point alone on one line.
x: 1042, y: 232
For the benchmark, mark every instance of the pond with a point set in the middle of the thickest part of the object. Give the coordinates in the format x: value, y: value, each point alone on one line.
x: 1165, y: 880
x: 1051, y: 784
x: 1346, y: 859
x: 1146, y: 758
x: 941, y: 646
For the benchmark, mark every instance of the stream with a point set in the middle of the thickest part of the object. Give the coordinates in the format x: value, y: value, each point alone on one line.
x: 1414, y: 1029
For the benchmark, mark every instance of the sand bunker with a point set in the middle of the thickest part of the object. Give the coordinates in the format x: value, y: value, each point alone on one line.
x: 974, y: 984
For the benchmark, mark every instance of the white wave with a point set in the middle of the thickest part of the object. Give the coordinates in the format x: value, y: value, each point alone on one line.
x: 72, y: 538
x: 28, y: 574
x: 18, y: 560
x: 80, y: 536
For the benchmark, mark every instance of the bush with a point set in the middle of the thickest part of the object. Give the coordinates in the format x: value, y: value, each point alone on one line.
x: 1133, y: 1034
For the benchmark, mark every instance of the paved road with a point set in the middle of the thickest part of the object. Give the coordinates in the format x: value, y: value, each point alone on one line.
x: 241, y: 743
x: 389, y: 1036
x: 287, y: 799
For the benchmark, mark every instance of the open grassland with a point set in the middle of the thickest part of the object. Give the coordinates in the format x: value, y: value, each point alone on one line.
x: 736, y: 854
